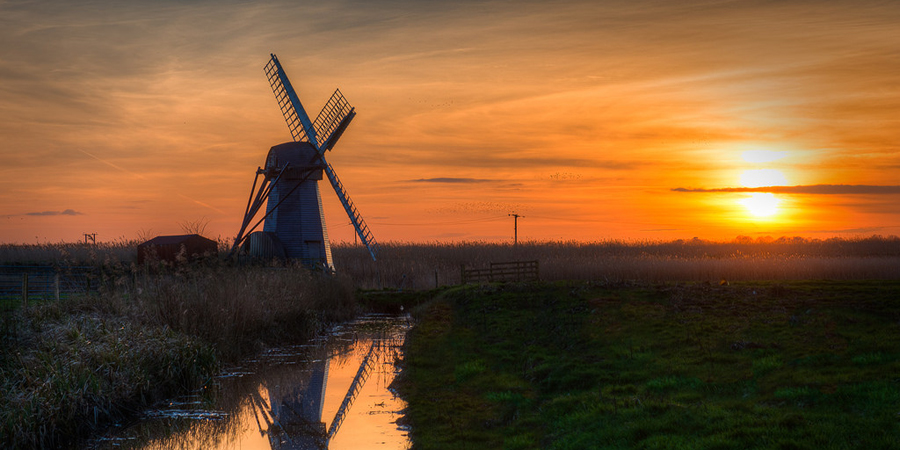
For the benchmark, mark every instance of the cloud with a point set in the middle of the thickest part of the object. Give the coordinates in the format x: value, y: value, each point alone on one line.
x: 451, y: 180
x: 815, y: 189
x: 617, y: 99
x: 67, y: 212
x: 855, y: 230
x: 478, y: 207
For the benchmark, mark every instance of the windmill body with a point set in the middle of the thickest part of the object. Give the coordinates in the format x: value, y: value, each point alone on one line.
x: 294, y: 219
x: 297, y: 218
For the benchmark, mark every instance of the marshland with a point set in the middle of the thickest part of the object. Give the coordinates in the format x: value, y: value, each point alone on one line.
x: 621, y: 332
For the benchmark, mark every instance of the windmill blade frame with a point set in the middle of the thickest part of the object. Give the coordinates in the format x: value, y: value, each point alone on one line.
x: 362, y: 230
x: 333, y: 119
x: 294, y: 113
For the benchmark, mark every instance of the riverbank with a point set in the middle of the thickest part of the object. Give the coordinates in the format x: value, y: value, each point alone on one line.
x: 333, y: 389
x: 638, y: 365
x: 70, y: 367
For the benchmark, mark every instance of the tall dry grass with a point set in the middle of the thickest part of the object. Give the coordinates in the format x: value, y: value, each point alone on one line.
x: 421, y: 265
x: 69, y: 372
x: 112, y: 253
x: 70, y: 253
x: 416, y: 266
x: 239, y: 309
x: 68, y: 367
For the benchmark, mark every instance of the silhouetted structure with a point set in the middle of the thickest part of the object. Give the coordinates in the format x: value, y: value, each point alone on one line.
x: 294, y: 220
x: 167, y: 248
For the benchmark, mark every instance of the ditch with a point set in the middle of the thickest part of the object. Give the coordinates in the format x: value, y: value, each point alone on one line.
x: 334, y: 392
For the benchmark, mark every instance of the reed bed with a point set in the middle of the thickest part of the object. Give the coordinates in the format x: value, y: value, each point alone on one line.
x: 68, y: 373
x: 426, y: 265
x: 67, y: 368
x: 70, y: 253
x: 423, y: 266
x: 241, y: 309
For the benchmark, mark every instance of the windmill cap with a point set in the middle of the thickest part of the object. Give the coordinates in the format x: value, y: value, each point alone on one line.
x: 301, y: 156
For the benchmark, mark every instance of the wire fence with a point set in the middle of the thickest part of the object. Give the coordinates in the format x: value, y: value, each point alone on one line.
x: 21, y: 284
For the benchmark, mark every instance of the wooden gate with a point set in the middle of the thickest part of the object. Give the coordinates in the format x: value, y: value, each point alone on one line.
x: 502, y: 271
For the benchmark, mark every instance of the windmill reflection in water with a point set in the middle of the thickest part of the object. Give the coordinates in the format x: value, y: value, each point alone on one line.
x: 292, y: 414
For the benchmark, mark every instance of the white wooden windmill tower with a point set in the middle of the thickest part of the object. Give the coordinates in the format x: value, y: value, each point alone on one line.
x: 294, y: 220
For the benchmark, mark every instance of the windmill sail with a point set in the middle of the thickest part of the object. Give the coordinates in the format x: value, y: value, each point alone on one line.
x: 333, y: 120
x: 361, y: 228
x: 294, y: 114
x: 330, y: 124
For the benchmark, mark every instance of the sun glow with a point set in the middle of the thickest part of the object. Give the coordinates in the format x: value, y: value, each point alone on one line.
x: 761, y: 204
x: 763, y: 177
x: 762, y: 156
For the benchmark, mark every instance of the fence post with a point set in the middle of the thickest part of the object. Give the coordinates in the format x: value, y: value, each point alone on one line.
x: 435, y: 279
x: 24, y: 290
x: 462, y: 273
x: 56, y: 286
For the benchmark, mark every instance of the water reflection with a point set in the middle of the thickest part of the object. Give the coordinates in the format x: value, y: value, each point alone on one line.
x: 331, y: 394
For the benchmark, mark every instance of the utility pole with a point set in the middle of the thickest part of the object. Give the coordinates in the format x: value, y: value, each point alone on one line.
x: 515, y: 228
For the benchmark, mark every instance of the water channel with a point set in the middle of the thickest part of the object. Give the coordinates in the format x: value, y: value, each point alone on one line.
x: 333, y: 393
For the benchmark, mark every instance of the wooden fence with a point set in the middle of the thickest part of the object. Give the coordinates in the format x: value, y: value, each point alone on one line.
x: 502, y: 271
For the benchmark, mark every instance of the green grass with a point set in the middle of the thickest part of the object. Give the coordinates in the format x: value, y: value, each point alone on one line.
x: 571, y: 366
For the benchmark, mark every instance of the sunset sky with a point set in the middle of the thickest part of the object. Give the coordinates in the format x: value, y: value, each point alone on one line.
x: 591, y: 119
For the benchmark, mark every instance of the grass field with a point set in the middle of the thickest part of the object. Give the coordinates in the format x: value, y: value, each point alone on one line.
x: 638, y: 365
x: 616, y: 337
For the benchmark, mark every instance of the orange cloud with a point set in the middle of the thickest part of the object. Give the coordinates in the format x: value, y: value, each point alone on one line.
x: 581, y: 114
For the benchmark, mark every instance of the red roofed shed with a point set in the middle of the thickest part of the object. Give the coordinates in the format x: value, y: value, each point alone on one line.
x: 167, y: 248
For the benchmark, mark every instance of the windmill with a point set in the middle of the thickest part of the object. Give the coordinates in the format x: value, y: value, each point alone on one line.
x: 294, y: 220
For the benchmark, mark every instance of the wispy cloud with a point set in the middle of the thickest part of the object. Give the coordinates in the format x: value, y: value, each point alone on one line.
x: 816, y: 189
x: 590, y: 106
x: 66, y: 212
x: 857, y: 230
x: 136, y: 175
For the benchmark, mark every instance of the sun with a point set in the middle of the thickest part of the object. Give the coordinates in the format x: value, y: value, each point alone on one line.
x: 761, y: 204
